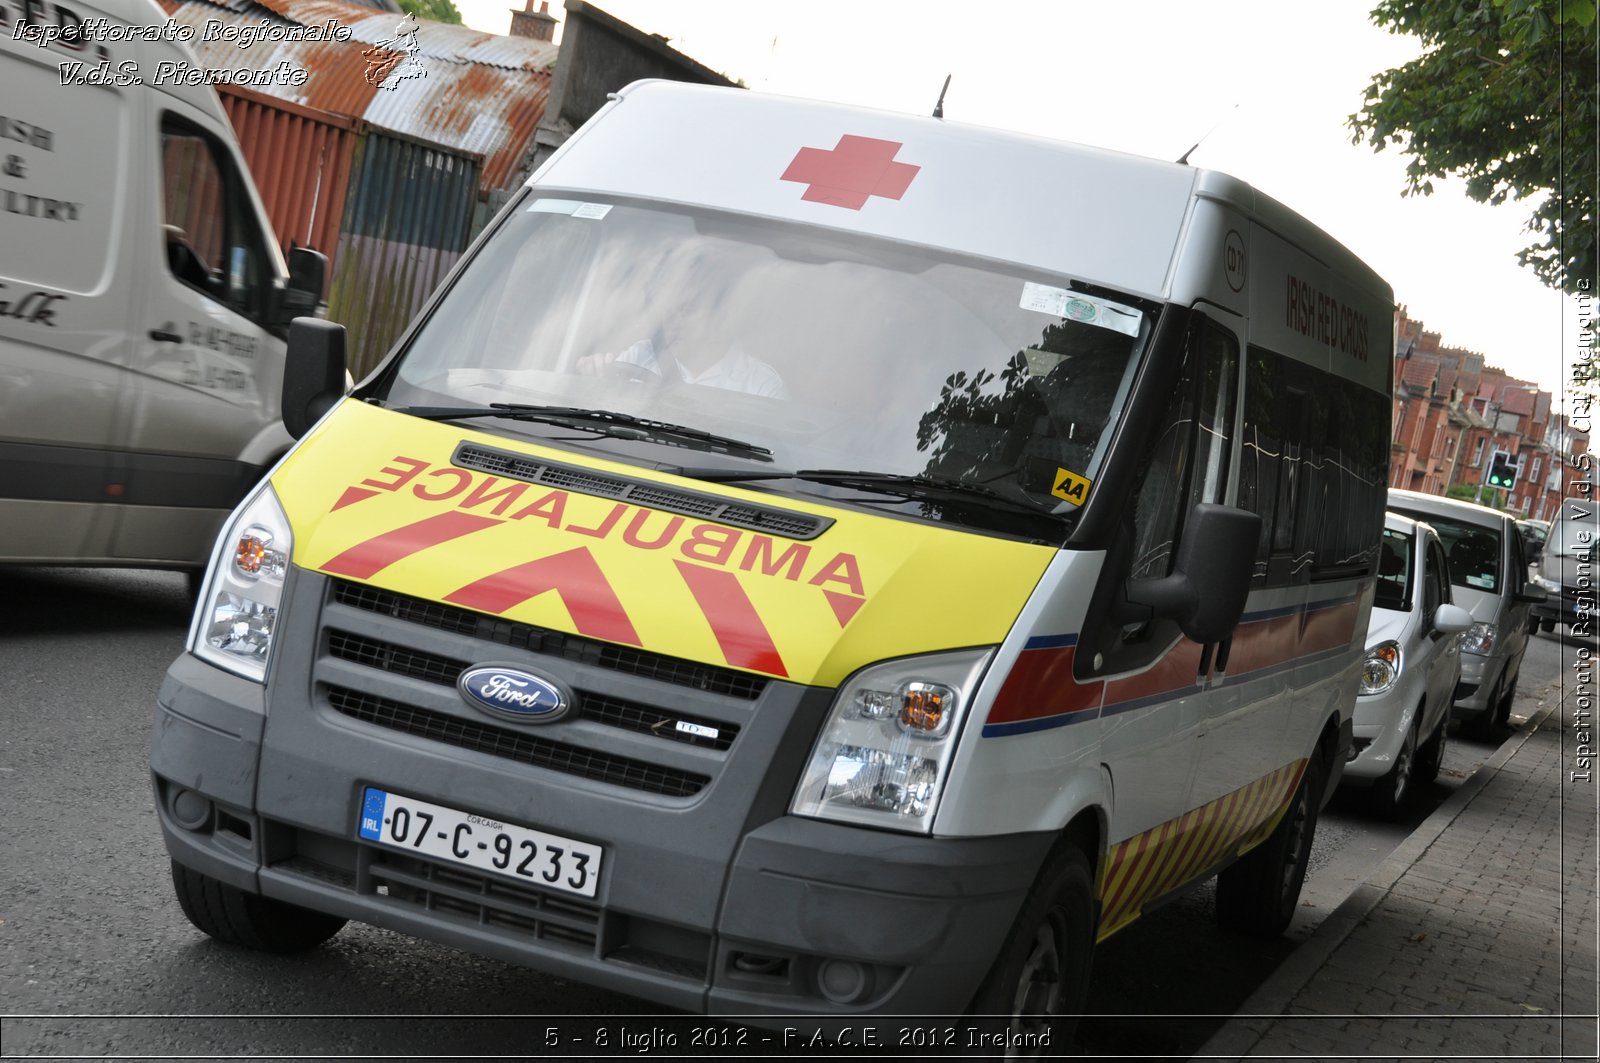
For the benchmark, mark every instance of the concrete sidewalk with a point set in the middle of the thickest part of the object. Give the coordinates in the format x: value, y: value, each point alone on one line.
x: 1476, y: 938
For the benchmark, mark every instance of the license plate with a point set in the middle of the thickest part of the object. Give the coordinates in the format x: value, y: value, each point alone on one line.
x: 548, y: 861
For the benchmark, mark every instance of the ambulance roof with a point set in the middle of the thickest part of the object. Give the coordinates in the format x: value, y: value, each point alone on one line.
x: 1063, y: 208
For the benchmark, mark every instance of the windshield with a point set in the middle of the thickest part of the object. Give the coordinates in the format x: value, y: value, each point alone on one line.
x: 1473, y: 552
x: 830, y: 352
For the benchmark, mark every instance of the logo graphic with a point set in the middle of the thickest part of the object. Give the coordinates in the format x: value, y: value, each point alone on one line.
x: 513, y: 694
x: 856, y: 169
x: 393, y: 61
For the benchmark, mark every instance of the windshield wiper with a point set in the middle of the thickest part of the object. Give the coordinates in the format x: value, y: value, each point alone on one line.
x: 607, y: 422
x: 903, y: 485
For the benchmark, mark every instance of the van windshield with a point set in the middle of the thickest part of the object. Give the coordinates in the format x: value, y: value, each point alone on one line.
x: 814, y: 351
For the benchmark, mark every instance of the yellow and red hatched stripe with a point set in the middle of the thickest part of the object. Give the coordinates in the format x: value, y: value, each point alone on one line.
x: 1157, y: 861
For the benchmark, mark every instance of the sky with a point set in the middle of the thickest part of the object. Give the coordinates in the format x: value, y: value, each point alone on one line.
x: 1265, y: 86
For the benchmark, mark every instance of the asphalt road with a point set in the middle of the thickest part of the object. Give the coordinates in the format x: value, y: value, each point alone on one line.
x: 97, y: 960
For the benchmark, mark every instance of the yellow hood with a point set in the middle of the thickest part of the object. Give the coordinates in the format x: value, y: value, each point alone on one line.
x: 372, y: 496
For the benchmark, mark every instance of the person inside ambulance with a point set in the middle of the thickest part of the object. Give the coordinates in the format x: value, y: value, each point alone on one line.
x: 668, y: 350
x: 703, y: 342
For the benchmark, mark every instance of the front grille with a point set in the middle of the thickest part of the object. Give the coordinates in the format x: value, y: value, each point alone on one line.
x: 486, y: 900
x: 601, y: 708
x: 514, y: 745
x: 551, y: 643
x: 784, y: 522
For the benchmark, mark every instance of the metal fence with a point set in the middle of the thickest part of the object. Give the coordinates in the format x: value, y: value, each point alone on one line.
x: 407, y: 219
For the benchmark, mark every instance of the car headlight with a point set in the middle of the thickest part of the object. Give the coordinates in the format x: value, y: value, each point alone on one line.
x: 1479, y: 639
x: 1549, y: 586
x: 1381, y: 668
x: 238, y: 608
x: 884, y: 752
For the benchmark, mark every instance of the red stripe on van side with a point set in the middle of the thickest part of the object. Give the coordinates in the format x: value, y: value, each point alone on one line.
x: 1040, y: 684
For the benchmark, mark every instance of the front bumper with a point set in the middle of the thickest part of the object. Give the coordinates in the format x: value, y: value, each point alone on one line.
x: 717, y: 902
x: 1381, y: 724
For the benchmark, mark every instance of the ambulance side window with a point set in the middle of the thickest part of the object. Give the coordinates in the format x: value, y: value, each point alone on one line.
x: 1312, y: 458
x: 1189, y: 462
x: 213, y: 243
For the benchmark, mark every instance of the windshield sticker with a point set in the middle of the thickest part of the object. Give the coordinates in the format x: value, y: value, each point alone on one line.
x: 1075, y: 306
x: 1486, y: 582
x: 1040, y: 363
x: 575, y: 207
x: 1070, y: 487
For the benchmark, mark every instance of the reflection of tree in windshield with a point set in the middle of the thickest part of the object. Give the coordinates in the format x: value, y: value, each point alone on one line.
x: 1044, y: 411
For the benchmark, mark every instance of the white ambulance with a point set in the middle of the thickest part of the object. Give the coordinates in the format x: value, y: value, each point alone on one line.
x: 805, y: 561
x: 143, y: 297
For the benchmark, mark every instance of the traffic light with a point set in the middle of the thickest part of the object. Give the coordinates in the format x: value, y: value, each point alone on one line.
x: 1502, y: 473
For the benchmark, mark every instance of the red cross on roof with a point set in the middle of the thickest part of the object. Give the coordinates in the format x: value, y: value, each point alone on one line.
x: 858, y: 167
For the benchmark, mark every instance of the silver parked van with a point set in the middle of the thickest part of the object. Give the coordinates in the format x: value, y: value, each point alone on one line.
x: 1489, y: 578
x: 1565, y: 571
x: 143, y: 297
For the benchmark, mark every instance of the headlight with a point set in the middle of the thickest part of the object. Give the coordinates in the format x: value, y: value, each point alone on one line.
x: 1549, y: 586
x: 1479, y: 639
x: 238, y: 608
x: 884, y: 753
x: 1381, y: 668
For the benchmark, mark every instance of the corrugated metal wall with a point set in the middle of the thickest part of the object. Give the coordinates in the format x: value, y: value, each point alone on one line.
x: 408, y: 217
x: 300, y: 159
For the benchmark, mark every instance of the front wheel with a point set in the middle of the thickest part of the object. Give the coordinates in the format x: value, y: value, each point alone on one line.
x: 1041, y: 978
x: 1257, y: 895
x: 1430, y: 758
x: 230, y: 914
x: 1388, y: 795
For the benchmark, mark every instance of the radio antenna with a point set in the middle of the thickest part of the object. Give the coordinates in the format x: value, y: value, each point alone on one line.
x: 938, y: 108
x: 1183, y: 160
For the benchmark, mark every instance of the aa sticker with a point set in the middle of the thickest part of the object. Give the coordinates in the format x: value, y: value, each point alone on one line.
x: 1070, y: 486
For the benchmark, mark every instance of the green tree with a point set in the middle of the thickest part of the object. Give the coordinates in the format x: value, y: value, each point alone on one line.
x: 1505, y: 98
x: 432, y: 10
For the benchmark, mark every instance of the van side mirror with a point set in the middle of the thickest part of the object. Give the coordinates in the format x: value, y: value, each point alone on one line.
x: 313, y: 372
x: 308, y: 274
x: 1207, y: 589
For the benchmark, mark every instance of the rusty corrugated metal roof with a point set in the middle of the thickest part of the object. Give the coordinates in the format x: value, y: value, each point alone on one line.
x: 481, y: 93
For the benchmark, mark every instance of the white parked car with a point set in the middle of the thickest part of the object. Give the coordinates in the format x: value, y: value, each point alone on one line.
x: 1412, y: 667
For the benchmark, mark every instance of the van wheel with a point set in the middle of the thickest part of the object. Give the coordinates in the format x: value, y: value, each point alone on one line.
x: 231, y: 915
x: 1041, y: 978
x: 1387, y: 796
x: 1256, y: 897
x: 1430, y: 758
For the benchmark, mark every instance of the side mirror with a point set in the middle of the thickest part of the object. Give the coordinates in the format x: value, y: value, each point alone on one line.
x: 1450, y: 619
x: 313, y: 372
x: 308, y: 274
x: 1207, y: 589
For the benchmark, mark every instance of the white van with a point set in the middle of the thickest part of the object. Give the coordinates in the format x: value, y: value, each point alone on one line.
x: 143, y: 298
x: 853, y: 575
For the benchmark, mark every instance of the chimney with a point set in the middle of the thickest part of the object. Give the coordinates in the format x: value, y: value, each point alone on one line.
x: 541, y: 26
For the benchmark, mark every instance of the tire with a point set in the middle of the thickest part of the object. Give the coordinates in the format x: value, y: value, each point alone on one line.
x: 1041, y: 977
x: 1430, y: 758
x: 231, y: 915
x: 1256, y: 897
x: 1502, y: 708
x: 1387, y: 797
x: 1481, y: 726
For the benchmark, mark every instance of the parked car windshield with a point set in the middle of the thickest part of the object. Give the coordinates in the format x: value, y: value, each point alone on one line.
x: 830, y: 351
x: 1472, y: 550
